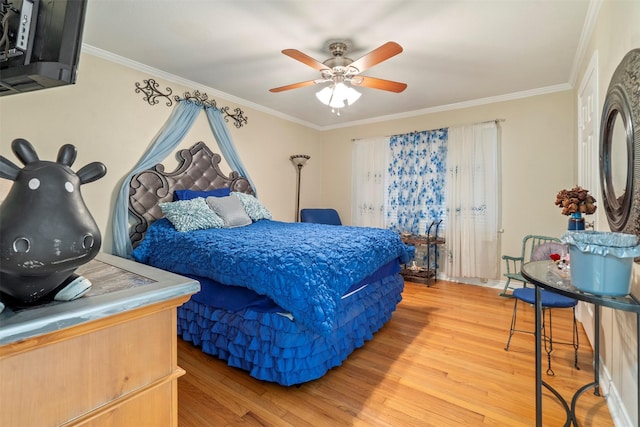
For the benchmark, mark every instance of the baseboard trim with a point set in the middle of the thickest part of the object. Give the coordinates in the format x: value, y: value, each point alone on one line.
x: 618, y: 412
x: 487, y: 283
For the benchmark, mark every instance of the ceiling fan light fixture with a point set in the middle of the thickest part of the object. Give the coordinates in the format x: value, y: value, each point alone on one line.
x: 324, y: 95
x: 352, y: 95
x: 339, y: 69
x: 337, y: 103
x: 338, y: 95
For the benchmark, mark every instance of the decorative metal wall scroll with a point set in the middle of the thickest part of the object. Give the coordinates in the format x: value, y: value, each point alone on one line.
x: 152, y: 93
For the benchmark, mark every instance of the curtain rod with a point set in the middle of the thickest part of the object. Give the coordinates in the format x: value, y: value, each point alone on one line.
x: 496, y: 121
x: 489, y: 121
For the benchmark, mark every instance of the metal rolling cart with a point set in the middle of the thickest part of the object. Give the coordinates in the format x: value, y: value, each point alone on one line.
x: 425, y: 272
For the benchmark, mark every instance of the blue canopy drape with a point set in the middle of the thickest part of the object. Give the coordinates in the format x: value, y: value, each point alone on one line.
x: 225, y: 143
x: 173, y: 132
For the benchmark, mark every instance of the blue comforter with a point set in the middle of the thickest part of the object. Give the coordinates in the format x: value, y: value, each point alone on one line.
x: 305, y: 268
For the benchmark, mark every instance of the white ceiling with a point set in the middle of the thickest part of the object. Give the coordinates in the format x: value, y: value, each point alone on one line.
x: 455, y: 52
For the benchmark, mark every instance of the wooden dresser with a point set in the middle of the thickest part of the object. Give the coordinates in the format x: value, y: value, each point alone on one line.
x: 106, y: 359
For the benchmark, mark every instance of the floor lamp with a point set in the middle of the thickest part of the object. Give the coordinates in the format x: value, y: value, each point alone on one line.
x: 298, y: 160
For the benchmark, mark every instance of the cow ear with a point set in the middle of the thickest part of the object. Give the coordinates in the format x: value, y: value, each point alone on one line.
x: 67, y: 154
x: 91, y: 172
x: 24, y: 151
x: 8, y: 169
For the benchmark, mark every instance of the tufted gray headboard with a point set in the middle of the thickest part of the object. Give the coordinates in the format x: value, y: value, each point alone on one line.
x: 198, y: 169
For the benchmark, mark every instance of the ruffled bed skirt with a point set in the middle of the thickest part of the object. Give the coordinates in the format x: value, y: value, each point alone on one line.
x: 272, y: 347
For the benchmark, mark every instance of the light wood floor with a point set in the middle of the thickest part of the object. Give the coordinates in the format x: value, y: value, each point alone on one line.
x: 440, y: 361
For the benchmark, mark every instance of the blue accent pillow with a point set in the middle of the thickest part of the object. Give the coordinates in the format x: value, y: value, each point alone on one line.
x: 253, y: 207
x: 189, y: 215
x: 192, y: 194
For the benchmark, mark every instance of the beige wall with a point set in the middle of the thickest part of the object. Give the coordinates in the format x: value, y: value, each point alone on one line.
x: 617, y: 31
x: 537, y: 159
x: 107, y: 121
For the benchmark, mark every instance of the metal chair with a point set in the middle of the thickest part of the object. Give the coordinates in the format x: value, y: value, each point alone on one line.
x: 549, y: 301
x: 320, y: 216
x: 514, y: 264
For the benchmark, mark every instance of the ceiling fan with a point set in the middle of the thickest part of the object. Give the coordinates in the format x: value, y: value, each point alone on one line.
x: 340, y: 69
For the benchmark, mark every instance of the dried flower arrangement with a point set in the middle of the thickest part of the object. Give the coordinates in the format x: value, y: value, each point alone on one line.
x: 576, y: 200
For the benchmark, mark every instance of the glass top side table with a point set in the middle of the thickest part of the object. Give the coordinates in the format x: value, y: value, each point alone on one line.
x: 545, y: 274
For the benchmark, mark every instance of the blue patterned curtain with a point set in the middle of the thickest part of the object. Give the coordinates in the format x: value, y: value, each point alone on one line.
x: 416, y: 174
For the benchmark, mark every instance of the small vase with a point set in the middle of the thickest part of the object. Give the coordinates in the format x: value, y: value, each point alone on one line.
x: 576, y: 222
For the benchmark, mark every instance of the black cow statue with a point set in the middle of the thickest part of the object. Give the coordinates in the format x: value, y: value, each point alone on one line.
x: 46, y: 230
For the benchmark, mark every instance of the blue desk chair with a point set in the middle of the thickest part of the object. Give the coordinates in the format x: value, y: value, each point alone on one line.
x: 550, y: 300
x: 320, y: 216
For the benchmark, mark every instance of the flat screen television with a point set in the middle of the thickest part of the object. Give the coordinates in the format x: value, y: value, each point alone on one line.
x: 40, y: 43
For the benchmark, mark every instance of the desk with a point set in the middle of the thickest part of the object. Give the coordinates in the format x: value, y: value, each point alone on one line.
x: 545, y: 274
x: 108, y: 358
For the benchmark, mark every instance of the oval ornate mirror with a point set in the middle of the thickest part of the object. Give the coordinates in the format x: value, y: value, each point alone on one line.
x: 619, y: 143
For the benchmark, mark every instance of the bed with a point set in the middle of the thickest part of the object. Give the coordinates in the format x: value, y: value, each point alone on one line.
x: 285, y: 302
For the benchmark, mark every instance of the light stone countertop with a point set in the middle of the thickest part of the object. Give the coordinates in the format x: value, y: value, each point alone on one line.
x: 118, y: 285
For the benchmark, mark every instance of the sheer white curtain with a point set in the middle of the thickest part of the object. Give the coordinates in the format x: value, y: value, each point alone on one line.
x: 370, y: 161
x: 473, y: 201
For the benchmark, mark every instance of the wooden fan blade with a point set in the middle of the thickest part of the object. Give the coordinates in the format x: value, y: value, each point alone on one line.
x: 377, y: 55
x: 382, y: 84
x: 293, y: 86
x: 305, y: 59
